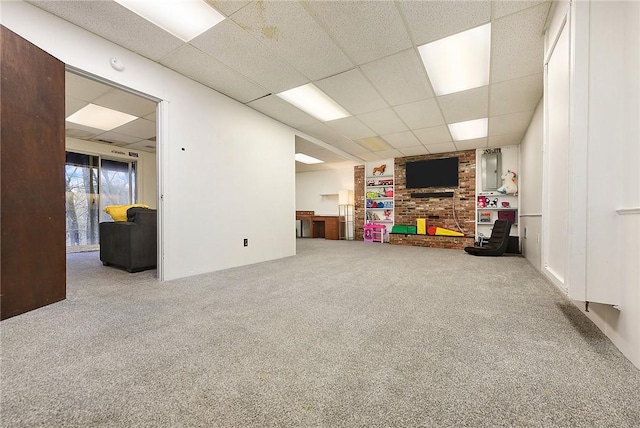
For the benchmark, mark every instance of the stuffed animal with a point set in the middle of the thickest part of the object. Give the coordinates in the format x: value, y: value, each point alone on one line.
x: 380, y: 169
x: 482, y: 201
x: 509, y: 185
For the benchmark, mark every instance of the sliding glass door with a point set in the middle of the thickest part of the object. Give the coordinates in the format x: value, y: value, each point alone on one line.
x: 117, y: 184
x: 92, y: 183
x: 81, y: 182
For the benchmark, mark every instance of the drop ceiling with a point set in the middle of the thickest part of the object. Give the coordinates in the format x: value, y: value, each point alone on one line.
x: 363, y: 54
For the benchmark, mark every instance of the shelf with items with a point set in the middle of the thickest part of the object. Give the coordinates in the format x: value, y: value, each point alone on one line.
x: 379, y: 192
x: 488, y: 217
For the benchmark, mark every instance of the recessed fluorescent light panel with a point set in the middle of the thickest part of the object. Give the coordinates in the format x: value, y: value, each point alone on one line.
x: 99, y: 117
x: 459, y: 62
x: 469, y: 130
x: 315, y: 102
x: 301, y: 157
x: 185, y: 19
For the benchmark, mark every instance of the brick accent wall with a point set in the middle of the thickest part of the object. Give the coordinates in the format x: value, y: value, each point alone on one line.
x: 438, y: 211
x: 358, y: 196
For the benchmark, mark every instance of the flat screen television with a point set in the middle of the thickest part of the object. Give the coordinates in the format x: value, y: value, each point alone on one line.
x: 432, y: 173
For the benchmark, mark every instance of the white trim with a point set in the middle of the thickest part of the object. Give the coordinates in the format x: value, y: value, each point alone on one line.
x: 531, y: 215
x: 162, y: 171
x: 577, y: 261
x: 628, y: 211
x: 553, y: 278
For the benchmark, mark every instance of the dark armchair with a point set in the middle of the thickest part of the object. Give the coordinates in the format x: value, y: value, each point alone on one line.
x: 132, y: 244
x: 498, y: 242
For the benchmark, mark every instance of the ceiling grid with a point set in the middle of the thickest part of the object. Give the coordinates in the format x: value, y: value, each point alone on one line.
x: 363, y: 54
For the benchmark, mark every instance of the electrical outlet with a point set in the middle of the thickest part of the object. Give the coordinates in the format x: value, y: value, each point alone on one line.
x: 246, y: 242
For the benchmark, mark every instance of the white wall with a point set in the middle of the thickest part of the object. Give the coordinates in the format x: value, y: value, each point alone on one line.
x: 604, y: 181
x: 318, y: 190
x: 146, y: 166
x: 530, y: 187
x: 225, y: 170
x: 613, y: 240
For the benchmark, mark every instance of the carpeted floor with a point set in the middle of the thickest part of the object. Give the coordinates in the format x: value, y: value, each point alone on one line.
x: 343, y: 334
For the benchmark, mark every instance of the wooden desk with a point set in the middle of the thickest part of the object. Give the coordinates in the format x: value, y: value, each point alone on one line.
x: 321, y: 226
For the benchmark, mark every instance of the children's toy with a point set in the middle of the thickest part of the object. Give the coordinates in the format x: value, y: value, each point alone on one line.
x: 484, y: 217
x: 379, y: 169
x: 482, y: 201
x: 509, y: 185
x: 439, y: 231
x: 374, y: 232
x: 387, y: 214
x: 492, y: 203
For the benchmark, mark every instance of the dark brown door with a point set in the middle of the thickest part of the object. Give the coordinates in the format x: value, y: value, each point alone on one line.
x: 32, y: 244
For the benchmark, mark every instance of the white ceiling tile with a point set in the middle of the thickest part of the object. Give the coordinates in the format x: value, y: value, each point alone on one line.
x: 228, y: 7
x: 352, y: 91
x: 351, y: 127
x: 433, y: 20
x: 142, y: 128
x: 114, y: 22
x: 126, y: 103
x: 388, y: 154
x: 324, y: 133
x: 142, y: 146
x: 441, y: 148
x: 234, y: 47
x: 420, y: 114
x: 72, y: 105
x: 281, y: 110
x: 505, y: 140
x: 328, y: 156
x: 414, y: 151
x: 515, y: 95
x: 402, y: 139
x: 465, y: 105
x: 518, y: 44
x: 510, y: 123
x: 81, y: 132
x: 288, y: 30
x: 202, y: 68
x: 383, y: 121
x: 400, y: 78
x: 351, y: 147
x: 83, y: 88
x: 477, y: 143
x: 435, y: 135
x: 366, y: 30
x: 369, y: 156
x: 504, y: 8
x: 116, y: 138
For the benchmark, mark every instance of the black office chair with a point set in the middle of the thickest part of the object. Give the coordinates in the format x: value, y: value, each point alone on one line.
x: 498, y: 241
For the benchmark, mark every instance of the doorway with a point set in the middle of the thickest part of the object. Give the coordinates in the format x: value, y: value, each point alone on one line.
x: 106, y: 164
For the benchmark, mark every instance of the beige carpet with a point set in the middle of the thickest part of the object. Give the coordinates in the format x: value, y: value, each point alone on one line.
x: 343, y: 334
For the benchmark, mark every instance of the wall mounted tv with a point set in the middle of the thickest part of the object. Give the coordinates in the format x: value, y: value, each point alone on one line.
x: 432, y: 173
